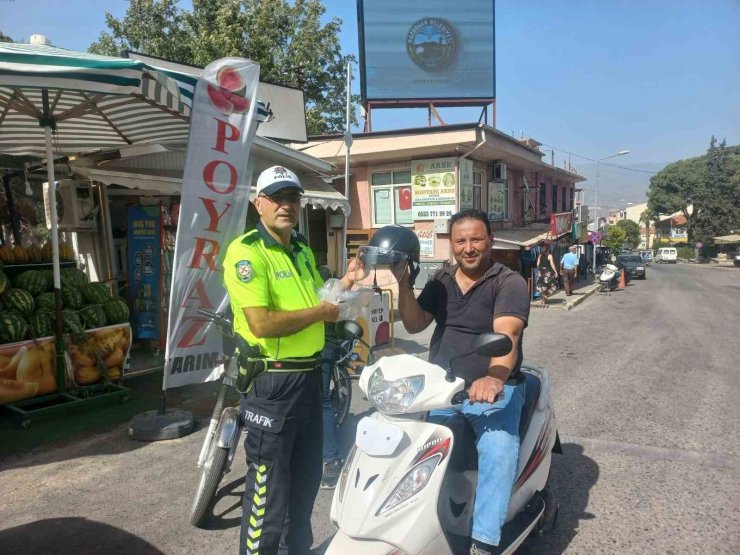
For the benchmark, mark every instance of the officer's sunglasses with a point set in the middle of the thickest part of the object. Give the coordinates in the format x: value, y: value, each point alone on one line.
x: 283, y: 198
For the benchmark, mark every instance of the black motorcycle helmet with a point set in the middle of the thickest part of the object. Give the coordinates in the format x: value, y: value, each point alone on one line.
x: 398, y: 239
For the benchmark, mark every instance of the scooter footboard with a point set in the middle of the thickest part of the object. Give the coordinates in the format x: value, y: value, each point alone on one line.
x: 342, y: 544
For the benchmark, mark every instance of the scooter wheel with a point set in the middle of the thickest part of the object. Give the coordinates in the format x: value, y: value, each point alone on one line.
x: 550, y: 515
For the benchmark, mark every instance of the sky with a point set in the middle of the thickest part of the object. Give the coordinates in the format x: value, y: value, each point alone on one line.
x: 589, y: 78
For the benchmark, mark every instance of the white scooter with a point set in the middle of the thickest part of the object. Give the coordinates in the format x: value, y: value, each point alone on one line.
x: 609, y: 278
x: 408, y: 486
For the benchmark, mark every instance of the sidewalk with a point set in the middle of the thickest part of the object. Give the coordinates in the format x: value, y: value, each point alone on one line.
x: 581, y: 291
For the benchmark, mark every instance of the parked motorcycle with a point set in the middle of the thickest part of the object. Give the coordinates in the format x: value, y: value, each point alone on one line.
x: 609, y: 277
x: 408, y: 486
x: 225, y: 427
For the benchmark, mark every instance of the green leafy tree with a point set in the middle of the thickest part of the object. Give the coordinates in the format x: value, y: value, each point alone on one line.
x: 5, y: 38
x: 615, y: 238
x: 646, y: 217
x: 288, y: 39
x: 678, y: 188
x: 721, y: 201
x: 631, y: 231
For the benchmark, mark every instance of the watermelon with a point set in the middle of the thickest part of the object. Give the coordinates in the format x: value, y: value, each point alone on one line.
x: 72, y: 277
x: 32, y: 281
x: 42, y: 323
x: 19, y: 301
x: 45, y: 300
x: 3, y: 282
x: 49, y: 278
x: 116, y: 311
x: 93, y: 316
x: 72, y: 323
x: 13, y: 327
x: 72, y: 298
x: 95, y: 292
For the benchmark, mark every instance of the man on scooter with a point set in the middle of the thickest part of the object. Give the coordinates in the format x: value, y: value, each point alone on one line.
x: 477, y: 295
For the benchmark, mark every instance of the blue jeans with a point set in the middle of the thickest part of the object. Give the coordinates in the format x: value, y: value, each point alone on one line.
x: 497, y: 429
x: 331, y: 442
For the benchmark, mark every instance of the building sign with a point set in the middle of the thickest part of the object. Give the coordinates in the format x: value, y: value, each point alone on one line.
x: 560, y: 224
x: 215, y: 197
x: 465, y: 168
x: 433, y: 183
x: 426, y: 242
x: 144, y: 270
x: 425, y: 50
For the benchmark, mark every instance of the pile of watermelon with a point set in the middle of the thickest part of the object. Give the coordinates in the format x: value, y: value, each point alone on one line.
x: 27, y: 307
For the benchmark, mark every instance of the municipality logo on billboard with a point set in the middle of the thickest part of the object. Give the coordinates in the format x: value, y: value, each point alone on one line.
x: 431, y: 43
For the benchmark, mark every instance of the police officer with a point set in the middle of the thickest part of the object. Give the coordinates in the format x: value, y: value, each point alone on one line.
x: 271, y: 277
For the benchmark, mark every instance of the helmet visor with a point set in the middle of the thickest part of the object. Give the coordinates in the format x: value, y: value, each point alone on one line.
x: 379, y: 267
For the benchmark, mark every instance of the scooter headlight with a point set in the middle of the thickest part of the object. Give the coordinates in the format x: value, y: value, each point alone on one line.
x: 412, y: 483
x: 393, y: 397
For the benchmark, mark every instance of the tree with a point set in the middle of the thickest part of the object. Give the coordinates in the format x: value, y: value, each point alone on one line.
x: 288, y: 40
x: 4, y: 37
x: 615, y: 238
x: 646, y: 217
x: 631, y: 232
x: 710, y: 184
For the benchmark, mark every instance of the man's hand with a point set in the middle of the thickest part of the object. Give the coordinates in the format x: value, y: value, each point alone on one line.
x: 485, y: 390
x: 329, y: 311
x: 354, y: 267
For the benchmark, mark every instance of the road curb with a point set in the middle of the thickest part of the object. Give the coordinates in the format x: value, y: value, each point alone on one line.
x: 582, y: 298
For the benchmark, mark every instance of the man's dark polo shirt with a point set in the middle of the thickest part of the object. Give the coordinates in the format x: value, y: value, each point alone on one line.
x: 461, y: 318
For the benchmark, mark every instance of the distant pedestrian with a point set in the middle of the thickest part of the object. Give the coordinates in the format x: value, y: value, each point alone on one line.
x: 547, y: 282
x: 568, y: 268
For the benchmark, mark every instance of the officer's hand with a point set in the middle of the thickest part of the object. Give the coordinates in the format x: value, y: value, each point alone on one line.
x: 329, y: 311
x: 485, y: 390
x: 354, y: 271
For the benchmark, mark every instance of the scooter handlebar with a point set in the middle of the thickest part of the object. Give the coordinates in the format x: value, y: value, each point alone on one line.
x: 461, y: 396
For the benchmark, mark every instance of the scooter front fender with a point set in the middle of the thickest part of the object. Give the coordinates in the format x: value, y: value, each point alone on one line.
x: 341, y: 544
x: 227, y: 432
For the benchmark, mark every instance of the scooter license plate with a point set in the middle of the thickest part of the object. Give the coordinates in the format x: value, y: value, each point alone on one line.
x: 377, y: 438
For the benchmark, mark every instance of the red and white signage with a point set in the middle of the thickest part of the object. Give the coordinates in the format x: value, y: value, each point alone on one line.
x: 560, y: 224
x: 215, y: 197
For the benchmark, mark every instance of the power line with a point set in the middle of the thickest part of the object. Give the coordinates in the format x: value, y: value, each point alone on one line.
x: 597, y: 161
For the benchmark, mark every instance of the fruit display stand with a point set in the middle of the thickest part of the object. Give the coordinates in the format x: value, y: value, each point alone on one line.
x: 35, y: 382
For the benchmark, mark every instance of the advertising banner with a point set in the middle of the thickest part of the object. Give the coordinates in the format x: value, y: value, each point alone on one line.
x: 144, y: 270
x: 427, y: 50
x: 215, y: 197
x: 27, y: 367
x: 426, y: 242
x: 433, y: 183
x: 560, y: 223
x: 498, y: 199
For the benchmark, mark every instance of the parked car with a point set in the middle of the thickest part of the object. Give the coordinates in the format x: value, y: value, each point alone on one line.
x: 667, y: 255
x: 737, y: 259
x: 647, y: 257
x: 632, y: 264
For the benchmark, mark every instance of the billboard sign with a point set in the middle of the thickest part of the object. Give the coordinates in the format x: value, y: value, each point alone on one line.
x: 431, y: 50
x: 433, y: 183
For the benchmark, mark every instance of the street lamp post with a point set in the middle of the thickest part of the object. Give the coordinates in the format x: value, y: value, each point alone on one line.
x: 596, y: 198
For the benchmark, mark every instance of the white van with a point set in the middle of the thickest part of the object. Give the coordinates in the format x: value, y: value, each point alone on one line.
x: 666, y: 255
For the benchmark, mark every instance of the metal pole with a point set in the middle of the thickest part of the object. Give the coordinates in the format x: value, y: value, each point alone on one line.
x: 348, y: 145
x: 596, y: 212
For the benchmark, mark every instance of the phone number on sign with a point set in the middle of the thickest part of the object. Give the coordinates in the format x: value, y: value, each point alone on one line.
x: 434, y: 214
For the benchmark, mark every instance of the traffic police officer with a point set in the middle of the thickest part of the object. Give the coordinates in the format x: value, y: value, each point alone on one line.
x: 271, y: 277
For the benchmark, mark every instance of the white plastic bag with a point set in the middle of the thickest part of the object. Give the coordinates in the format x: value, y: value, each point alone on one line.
x: 350, y: 302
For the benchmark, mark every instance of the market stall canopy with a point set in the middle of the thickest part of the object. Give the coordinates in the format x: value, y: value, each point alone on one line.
x: 519, y: 237
x: 727, y: 239
x: 94, y: 102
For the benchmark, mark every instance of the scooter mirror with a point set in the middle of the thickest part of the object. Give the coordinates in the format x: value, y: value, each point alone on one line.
x: 492, y: 345
x: 348, y: 329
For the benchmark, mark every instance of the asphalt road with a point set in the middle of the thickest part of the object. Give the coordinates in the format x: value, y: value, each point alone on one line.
x: 646, y: 389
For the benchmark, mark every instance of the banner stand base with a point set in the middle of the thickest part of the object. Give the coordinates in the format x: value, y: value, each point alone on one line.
x: 153, y: 425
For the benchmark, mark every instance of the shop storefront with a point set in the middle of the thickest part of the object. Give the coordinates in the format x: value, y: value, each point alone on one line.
x: 420, y: 177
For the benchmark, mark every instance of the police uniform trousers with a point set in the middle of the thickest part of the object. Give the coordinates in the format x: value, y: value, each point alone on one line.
x: 282, y: 415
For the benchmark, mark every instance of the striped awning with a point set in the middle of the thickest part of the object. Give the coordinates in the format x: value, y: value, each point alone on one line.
x: 96, y: 102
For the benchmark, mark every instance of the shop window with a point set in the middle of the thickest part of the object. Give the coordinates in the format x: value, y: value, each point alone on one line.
x: 391, y: 196
x: 477, y: 188
x: 554, y: 199
x: 498, y: 200
x: 543, y: 198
